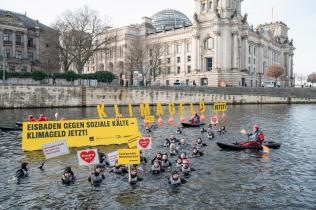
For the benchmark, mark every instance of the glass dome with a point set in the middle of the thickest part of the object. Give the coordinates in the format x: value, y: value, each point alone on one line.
x: 169, y: 19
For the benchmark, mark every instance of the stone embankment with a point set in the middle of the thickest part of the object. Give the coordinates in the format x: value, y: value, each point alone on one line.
x: 35, y: 96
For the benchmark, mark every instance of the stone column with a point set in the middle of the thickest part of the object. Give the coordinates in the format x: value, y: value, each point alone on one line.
x: 235, y: 52
x: 193, y: 55
x: 246, y: 52
x: 37, y: 56
x: 184, y: 58
x: 25, y: 46
x: 1, y: 42
x: 13, y: 44
x: 226, y: 47
x: 217, y: 61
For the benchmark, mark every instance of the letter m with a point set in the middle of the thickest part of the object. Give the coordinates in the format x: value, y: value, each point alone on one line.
x: 144, y: 110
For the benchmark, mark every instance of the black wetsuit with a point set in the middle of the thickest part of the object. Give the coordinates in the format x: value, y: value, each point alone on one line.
x: 96, y: 179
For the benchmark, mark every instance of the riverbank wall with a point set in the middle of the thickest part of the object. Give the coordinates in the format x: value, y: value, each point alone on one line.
x: 39, y: 96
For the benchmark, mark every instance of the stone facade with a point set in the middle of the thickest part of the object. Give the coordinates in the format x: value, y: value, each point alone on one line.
x: 27, y: 45
x: 218, y: 48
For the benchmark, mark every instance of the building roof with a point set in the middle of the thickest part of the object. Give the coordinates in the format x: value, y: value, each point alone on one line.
x: 169, y: 19
x: 27, y: 21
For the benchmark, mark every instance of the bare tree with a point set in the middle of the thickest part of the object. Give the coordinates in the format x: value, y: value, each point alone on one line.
x: 137, y: 58
x: 275, y: 71
x: 156, y: 53
x: 312, y: 78
x: 82, y: 33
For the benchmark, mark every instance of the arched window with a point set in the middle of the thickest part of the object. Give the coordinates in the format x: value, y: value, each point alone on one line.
x: 209, y: 43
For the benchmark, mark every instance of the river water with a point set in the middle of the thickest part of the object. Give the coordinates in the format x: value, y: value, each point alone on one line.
x: 283, y: 179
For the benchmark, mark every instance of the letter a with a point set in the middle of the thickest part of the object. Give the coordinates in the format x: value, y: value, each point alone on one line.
x: 159, y: 110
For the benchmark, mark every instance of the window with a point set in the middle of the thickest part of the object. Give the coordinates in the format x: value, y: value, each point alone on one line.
x: 250, y: 50
x: 12, y: 68
x: 179, y: 48
x: 168, y: 49
x: 254, y: 61
x: 18, y: 40
x: 210, y: 5
x: 189, y: 48
x: 168, y: 70
x: 178, y: 70
x: 209, y: 64
x: 168, y: 60
x: 209, y: 43
x: 30, y: 42
x: 189, y: 58
x: 151, y: 62
x: 204, y: 7
x: 254, y: 50
x: 249, y: 60
x: 150, y: 52
x: 24, y: 68
x: 30, y: 55
x: 178, y: 59
x: 7, y: 53
x: 6, y: 37
x: 189, y: 69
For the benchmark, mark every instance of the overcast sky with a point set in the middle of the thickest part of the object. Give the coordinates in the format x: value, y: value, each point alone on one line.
x: 297, y: 14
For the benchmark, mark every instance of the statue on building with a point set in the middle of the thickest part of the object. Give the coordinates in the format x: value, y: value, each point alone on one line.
x: 244, y: 20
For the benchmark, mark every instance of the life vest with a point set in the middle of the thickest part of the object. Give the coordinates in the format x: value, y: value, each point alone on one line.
x: 175, y: 182
x: 199, y: 145
x: 134, y: 179
x: 186, y: 170
x: 155, y: 170
x: 96, y: 178
x: 165, y: 163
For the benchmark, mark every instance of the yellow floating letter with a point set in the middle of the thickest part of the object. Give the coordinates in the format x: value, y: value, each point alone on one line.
x: 202, y: 107
x: 181, y: 108
x: 130, y: 110
x: 101, y: 111
x: 159, y: 110
x: 192, y: 108
x: 144, y: 109
x: 171, y: 109
x: 117, y: 111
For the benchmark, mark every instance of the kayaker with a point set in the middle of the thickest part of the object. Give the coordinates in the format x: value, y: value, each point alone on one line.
x: 31, y: 118
x: 173, y: 139
x: 195, y: 119
x: 257, y: 136
x: 68, y: 177
x: 134, y: 176
x: 175, y: 179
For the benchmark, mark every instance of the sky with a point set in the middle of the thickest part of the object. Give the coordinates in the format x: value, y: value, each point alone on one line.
x: 297, y: 14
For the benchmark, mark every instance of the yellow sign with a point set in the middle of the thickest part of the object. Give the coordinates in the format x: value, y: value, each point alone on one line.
x: 128, y: 156
x: 220, y: 107
x: 79, y: 133
x: 150, y: 119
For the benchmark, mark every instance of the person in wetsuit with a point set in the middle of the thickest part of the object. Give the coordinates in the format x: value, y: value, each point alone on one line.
x: 68, y: 177
x: 22, y: 172
x: 97, y: 176
x: 175, y: 179
x: 134, y: 177
x: 156, y: 167
x: 199, y: 143
x: 196, y: 152
x: 165, y: 163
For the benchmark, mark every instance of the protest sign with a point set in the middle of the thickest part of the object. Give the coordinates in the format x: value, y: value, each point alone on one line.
x: 220, y: 107
x: 128, y: 156
x: 79, y: 133
x: 112, y: 158
x: 144, y: 143
x: 55, y: 149
x: 88, y: 157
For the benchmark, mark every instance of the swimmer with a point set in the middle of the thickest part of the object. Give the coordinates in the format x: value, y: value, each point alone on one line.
x: 203, y: 130
x: 182, y: 145
x: 210, y: 135
x: 179, y: 131
x: 199, y: 143
x: 186, y: 169
x: 166, y: 143
x: 175, y: 179
x: 119, y: 169
x: 173, y: 139
x: 172, y: 150
x: 134, y: 177
x: 68, y: 177
x: 165, y: 163
x: 156, y: 168
x: 196, y: 152
x: 96, y: 177
x: 22, y: 172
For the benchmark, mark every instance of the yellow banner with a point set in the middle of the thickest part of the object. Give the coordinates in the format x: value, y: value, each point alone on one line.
x: 128, y: 156
x: 220, y: 107
x: 79, y: 133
